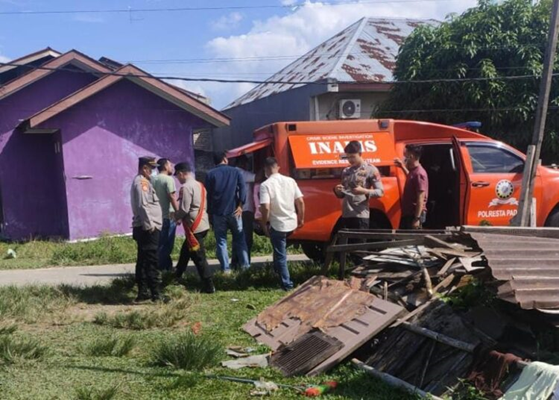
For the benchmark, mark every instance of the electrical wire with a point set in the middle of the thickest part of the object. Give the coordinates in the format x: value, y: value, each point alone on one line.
x: 209, y: 8
x: 284, y: 82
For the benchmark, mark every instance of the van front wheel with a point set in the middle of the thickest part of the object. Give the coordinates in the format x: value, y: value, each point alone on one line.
x: 316, y: 251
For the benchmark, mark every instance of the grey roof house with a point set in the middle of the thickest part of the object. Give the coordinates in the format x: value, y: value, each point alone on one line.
x: 344, y: 77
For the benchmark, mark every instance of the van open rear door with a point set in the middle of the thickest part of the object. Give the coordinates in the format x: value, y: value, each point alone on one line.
x: 249, y: 148
x: 464, y: 177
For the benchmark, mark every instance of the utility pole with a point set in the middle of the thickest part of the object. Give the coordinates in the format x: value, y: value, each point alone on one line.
x: 534, y: 150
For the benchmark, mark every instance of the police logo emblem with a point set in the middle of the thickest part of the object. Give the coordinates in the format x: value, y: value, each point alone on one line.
x: 504, y: 189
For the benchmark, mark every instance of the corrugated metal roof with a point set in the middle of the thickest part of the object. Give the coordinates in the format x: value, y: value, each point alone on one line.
x: 364, y: 52
x: 528, y: 262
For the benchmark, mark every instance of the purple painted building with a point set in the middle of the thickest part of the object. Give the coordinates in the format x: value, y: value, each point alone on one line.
x: 71, y: 132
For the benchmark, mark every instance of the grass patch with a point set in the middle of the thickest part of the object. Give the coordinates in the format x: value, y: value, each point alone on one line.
x: 90, y: 393
x: 105, y: 250
x: 165, y: 316
x: 157, y: 366
x: 260, y: 277
x: 187, y: 351
x: 119, y: 291
x: 32, y: 303
x: 17, y: 349
x: 114, y: 346
x: 7, y: 328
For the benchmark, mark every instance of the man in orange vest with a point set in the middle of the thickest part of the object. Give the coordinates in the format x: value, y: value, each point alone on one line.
x: 193, y: 213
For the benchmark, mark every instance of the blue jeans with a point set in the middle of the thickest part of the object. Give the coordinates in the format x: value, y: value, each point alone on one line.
x: 221, y: 224
x: 279, y: 243
x: 166, y: 245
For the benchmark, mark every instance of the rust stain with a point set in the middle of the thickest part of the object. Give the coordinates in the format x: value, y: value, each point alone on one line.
x: 319, y: 303
x: 386, y: 60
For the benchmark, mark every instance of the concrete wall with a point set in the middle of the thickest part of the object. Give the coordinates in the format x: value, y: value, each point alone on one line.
x: 103, y: 137
x: 293, y: 105
x: 31, y: 178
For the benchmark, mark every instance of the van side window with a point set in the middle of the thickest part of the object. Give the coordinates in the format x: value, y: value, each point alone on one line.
x: 491, y: 159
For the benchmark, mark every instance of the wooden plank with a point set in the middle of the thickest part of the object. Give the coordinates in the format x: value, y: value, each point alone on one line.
x: 329, y: 258
x: 446, y: 266
x: 372, y: 245
x: 432, y: 241
x: 393, y: 381
x: 343, y: 258
x: 439, y: 337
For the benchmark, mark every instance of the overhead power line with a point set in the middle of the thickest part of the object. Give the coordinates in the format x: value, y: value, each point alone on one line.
x: 208, y: 8
x: 288, y: 82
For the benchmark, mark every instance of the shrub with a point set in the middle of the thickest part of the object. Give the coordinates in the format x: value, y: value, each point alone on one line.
x: 30, y: 303
x: 165, y: 317
x: 7, y: 329
x: 90, y: 393
x: 114, y: 346
x: 187, y: 351
x: 14, y: 350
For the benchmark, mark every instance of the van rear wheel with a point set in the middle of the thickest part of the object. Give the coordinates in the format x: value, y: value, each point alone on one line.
x: 553, y: 219
x: 316, y: 251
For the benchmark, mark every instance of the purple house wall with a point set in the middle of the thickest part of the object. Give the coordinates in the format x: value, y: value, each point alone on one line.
x: 70, y: 142
x: 31, y: 179
x: 102, y: 138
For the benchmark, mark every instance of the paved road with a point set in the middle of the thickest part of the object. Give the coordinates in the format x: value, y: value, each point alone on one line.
x: 87, y: 276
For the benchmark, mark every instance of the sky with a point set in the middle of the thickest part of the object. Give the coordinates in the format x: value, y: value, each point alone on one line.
x: 228, y: 39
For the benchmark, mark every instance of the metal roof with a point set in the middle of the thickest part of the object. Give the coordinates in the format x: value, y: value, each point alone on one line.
x: 527, y: 260
x: 364, y: 52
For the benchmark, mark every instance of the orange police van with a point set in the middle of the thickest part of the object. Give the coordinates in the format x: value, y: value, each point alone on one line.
x: 472, y: 179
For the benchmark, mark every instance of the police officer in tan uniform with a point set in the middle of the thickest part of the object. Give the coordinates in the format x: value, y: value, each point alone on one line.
x: 147, y: 222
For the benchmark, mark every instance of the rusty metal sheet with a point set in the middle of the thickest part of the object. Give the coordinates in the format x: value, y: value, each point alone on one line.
x: 359, y: 331
x: 526, y: 259
x: 353, y: 331
x: 363, y: 52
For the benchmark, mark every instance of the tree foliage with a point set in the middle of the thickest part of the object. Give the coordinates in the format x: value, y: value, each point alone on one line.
x: 492, y: 40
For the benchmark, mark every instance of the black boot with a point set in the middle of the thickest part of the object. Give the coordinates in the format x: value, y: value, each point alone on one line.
x: 160, y: 298
x: 143, y: 295
x: 208, y: 286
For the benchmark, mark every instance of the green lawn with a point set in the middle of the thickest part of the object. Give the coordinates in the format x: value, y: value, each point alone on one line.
x: 93, y: 343
x: 106, y: 250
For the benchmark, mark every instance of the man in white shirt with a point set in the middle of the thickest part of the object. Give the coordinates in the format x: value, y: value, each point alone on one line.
x: 281, y: 203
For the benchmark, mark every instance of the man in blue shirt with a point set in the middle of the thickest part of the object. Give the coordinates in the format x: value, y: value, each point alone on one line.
x: 226, y: 196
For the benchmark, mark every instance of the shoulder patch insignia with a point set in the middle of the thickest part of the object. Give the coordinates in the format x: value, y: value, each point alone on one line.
x: 145, y: 186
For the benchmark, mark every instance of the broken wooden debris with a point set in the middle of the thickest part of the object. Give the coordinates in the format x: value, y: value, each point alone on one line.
x: 403, y: 275
x: 434, y: 335
x: 351, y: 316
x: 393, y: 381
x: 439, y: 337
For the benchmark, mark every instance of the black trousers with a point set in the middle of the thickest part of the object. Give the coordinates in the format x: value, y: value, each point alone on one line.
x: 407, y: 221
x: 198, y: 257
x: 355, y: 224
x: 147, y: 273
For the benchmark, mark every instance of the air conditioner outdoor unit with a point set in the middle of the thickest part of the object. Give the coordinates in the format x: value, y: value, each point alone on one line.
x: 350, y: 108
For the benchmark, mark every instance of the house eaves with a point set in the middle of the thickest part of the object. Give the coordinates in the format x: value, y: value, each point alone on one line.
x: 72, y: 57
x: 141, y: 78
x: 29, y: 58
